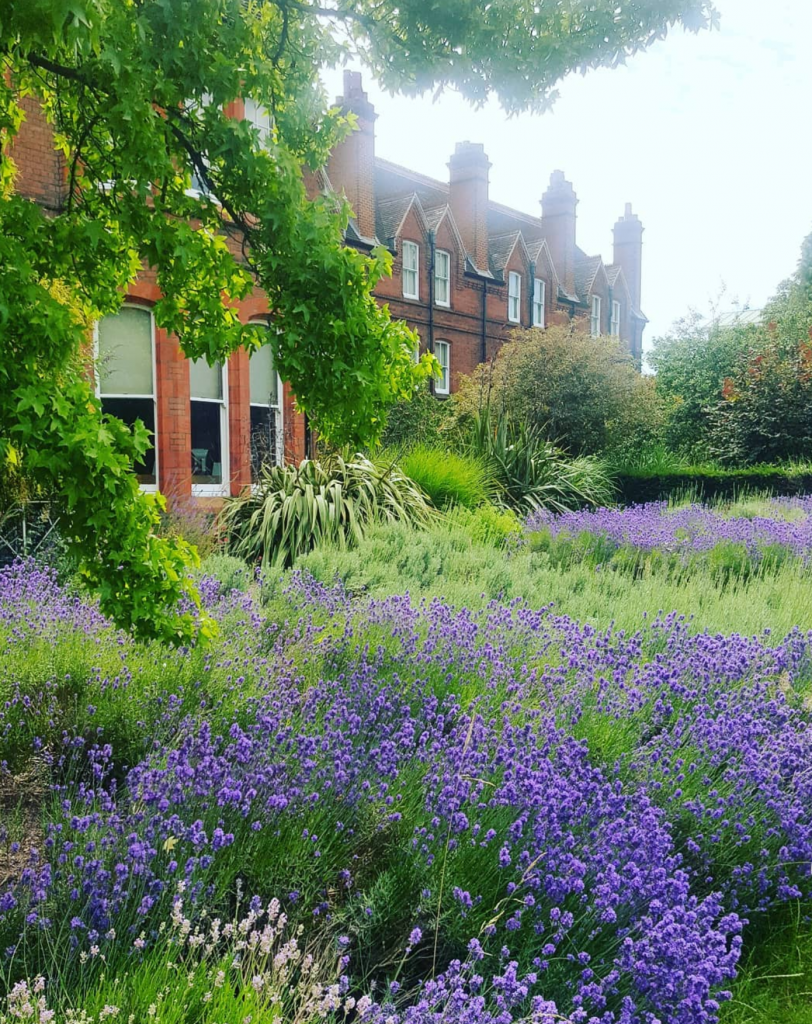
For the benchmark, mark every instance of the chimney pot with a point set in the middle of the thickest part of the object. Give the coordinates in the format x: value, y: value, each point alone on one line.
x: 352, y: 163
x: 558, y: 226
x: 468, y: 198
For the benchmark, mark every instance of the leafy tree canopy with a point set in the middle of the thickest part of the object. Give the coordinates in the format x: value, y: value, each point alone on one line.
x: 137, y: 92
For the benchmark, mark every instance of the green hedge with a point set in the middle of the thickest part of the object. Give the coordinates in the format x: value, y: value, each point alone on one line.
x: 707, y: 484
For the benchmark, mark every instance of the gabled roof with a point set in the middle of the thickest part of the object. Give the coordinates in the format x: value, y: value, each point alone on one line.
x: 390, y: 215
x: 586, y: 270
x: 500, y: 249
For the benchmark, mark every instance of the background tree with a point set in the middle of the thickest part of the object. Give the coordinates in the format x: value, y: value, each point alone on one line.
x: 764, y: 411
x: 136, y: 91
x: 584, y: 393
x: 692, y: 363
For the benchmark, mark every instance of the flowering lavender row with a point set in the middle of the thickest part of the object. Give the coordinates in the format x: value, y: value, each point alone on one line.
x: 608, y: 807
x: 686, y: 529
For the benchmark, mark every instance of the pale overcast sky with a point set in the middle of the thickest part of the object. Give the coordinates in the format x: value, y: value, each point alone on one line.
x: 709, y: 136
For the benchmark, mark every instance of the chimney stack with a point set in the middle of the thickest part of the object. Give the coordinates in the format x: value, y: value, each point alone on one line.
x: 558, y: 225
x: 628, y: 250
x: 468, y: 198
x: 352, y: 163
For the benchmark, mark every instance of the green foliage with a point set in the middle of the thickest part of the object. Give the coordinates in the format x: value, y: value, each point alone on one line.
x: 137, y: 94
x: 444, y: 561
x: 584, y: 393
x: 532, y: 473
x: 765, y: 412
x: 487, y: 524
x: 231, y: 573
x: 447, y: 478
x: 422, y: 420
x: 709, y: 482
x: 296, y: 508
x: 742, y: 393
x: 691, y: 364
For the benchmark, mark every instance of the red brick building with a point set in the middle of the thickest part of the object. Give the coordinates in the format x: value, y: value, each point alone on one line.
x: 467, y: 271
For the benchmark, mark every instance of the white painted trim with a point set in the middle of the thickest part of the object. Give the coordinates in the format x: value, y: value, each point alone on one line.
x: 415, y: 270
x: 513, y: 276
x: 438, y: 385
x: 543, y: 283
x: 443, y: 252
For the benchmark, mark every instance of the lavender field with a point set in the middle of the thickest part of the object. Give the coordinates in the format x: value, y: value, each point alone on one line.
x: 402, y: 809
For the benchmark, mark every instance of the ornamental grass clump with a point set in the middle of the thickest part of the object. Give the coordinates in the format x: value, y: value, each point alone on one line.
x: 292, y: 509
x: 448, y: 478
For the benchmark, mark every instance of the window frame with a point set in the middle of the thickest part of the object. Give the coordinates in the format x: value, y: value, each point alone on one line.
x: 446, y: 280
x: 614, y: 323
x: 408, y: 243
x: 539, y: 286
x: 220, y: 490
x: 280, y: 409
x: 441, y: 388
x: 147, y: 488
x: 265, y: 131
x: 595, y: 317
x: 193, y: 191
x: 513, y: 276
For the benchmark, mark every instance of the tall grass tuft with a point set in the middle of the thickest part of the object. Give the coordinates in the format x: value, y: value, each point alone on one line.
x: 447, y: 478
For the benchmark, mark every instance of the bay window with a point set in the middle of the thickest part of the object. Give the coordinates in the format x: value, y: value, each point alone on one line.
x: 207, y: 389
x: 125, y: 373
x: 265, y: 399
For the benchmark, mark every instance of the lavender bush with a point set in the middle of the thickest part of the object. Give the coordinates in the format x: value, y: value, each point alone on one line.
x: 609, y: 807
x: 682, y: 536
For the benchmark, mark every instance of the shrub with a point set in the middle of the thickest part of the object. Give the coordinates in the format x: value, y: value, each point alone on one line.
x: 424, y: 420
x: 583, y: 393
x: 487, y: 523
x: 295, y: 508
x: 447, y: 478
x: 532, y: 473
x: 229, y: 572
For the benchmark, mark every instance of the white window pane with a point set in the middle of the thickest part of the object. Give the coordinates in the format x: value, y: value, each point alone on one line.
x: 263, y: 379
x: 125, y: 353
x: 205, y: 381
x: 410, y: 255
x: 442, y: 351
x: 259, y: 117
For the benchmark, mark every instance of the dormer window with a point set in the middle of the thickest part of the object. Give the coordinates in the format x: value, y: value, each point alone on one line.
x: 514, y: 298
x: 595, y: 319
x: 614, y: 326
x: 411, y: 277
x: 538, y: 302
x: 442, y: 278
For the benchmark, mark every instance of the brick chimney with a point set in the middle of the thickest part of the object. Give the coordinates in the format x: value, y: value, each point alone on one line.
x: 468, y: 198
x: 628, y: 250
x: 558, y: 225
x: 352, y: 163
